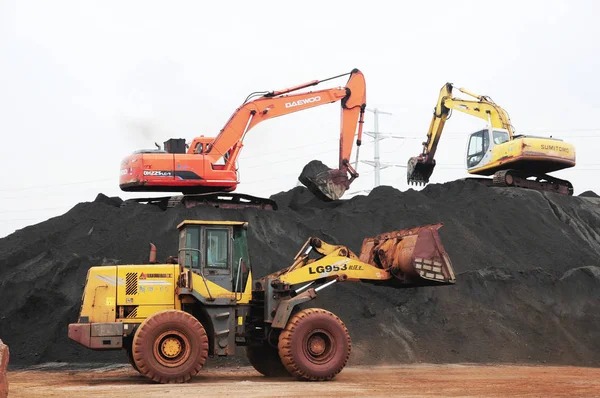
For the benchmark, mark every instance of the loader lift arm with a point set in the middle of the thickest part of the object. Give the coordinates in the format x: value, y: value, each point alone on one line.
x: 421, y: 167
x: 229, y: 142
x: 413, y: 256
x: 405, y: 258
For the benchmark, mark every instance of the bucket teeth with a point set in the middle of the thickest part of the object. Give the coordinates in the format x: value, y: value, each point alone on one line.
x: 418, y: 170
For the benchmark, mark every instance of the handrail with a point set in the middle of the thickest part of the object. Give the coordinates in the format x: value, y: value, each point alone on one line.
x: 210, y: 297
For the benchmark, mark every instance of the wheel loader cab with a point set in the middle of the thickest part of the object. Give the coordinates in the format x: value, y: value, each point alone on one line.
x: 481, y: 143
x: 217, y: 251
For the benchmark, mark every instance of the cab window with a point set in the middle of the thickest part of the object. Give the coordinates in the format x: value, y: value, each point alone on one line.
x: 192, y: 247
x: 500, y: 137
x: 478, y: 144
x: 241, y: 260
x: 217, y: 248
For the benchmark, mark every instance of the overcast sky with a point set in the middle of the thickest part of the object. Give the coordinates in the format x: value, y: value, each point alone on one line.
x: 83, y: 84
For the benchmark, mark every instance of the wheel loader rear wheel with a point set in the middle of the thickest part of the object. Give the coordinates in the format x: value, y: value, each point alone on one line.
x: 315, y: 345
x: 170, y: 347
x: 265, y: 359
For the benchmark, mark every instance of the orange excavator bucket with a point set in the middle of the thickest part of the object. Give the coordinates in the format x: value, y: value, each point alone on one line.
x: 325, y: 183
x: 414, y: 256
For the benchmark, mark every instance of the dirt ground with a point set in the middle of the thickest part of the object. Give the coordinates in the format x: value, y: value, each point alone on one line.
x: 380, y: 381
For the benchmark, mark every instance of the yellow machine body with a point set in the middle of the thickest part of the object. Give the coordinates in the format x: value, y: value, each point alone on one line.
x: 148, y: 309
x: 129, y: 293
x: 513, y: 160
x: 533, y: 154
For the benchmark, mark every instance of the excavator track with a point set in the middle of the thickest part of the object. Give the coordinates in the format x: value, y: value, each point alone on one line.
x: 542, y: 182
x: 223, y: 200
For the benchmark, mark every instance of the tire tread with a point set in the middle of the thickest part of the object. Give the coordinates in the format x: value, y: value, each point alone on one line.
x: 155, y: 321
x: 285, y: 344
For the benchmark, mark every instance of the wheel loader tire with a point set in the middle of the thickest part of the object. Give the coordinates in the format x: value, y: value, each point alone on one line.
x: 265, y: 359
x: 315, y: 345
x: 170, y: 347
x: 129, y: 354
x: 127, y: 348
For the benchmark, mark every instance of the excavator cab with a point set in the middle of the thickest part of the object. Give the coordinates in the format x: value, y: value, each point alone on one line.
x: 481, y: 143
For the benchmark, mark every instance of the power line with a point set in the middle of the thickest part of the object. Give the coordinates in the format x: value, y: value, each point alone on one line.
x: 450, y: 133
x: 264, y: 193
x: 269, y: 179
x: 286, y: 160
x: 582, y: 130
x: 381, y: 136
x: 33, y: 209
x: 54, y: 185
x: 22, y: 219
x: 292, y: 148
x: 253, y: 166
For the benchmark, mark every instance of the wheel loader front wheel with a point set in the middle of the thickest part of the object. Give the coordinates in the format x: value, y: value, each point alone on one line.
x: 170, y: 347
x: 315, y: 345
x: 265, y: 359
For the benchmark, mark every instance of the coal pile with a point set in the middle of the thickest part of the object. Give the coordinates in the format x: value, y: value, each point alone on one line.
x: 589, y: 194
x: 527, y: 265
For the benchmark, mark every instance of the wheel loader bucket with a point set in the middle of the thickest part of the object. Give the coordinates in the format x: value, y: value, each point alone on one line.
x: 418, y: 170
x: 325, y: 183
x: 414, y: 256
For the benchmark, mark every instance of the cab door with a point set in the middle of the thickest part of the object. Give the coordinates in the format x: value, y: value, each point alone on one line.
x: 217, y: 256
x: 205, y: 252
x: 478, y: 149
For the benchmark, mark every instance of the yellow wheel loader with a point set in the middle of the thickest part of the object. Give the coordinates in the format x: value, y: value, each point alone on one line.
x: 169, y: 318
x: 512, y: 160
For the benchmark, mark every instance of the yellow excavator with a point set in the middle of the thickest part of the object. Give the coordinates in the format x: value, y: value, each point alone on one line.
x: 513, y: 160
x: 204, y: 302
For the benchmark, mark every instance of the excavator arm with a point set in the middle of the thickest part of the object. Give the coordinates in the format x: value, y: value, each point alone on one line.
x: 268, y: 105
x: 421, y: 167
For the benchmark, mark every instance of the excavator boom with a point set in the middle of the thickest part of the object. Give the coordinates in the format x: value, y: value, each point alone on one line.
x: 210, y: 165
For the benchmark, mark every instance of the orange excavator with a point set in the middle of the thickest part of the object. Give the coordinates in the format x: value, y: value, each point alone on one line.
x: 206, y: 170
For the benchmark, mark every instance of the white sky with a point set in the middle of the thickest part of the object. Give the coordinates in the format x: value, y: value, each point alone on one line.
x: 83, y: 84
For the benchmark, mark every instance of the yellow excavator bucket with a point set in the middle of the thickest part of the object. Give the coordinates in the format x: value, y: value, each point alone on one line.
x: 419, y: 169
x: 414, y: 256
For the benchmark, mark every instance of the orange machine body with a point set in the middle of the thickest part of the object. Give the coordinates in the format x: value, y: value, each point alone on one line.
x: 161, y: 171
x: 209, y: 164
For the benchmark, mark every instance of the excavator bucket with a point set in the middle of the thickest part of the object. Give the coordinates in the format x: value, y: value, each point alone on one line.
x: 419, y: 170
x: 414, y: 256
x: 325, y: 183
